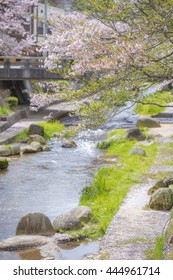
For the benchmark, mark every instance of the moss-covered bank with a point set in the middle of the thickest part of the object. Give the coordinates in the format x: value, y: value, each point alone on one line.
x: 112, y: 182
x: 147, y: 107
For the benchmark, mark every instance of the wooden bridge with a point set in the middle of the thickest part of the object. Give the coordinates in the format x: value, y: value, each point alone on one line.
x: 25, y: 68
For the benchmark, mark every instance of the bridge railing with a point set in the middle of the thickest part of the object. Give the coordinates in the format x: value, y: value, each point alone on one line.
x: 25, y: 68
x: 21, y: 62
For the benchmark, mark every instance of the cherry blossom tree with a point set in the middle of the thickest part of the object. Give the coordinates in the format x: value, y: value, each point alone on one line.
x: 13, y: 19
x: 114, y: 46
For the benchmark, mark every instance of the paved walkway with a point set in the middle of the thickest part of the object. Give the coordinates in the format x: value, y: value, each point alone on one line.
x: 134, y: 228
x: 11, y: 132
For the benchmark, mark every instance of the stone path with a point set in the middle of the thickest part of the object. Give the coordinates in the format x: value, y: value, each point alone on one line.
x: 135, y: 227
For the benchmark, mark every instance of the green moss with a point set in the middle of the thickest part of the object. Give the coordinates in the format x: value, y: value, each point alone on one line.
x: 8, y: 147
x: 3, y: 163
x: 104, y: 144
x: 111, y: 184
x: 119, y: 132
x: 161, y: 98
x: 51, y: 127
x: 12, y: 102
x: 4, y: 110
x: 22, y: 136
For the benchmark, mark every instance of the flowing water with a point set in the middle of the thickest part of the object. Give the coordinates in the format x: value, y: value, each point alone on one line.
x: 48, y: 182
x: 51, y: 183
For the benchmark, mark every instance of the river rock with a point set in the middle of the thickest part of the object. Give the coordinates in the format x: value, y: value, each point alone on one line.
x: 61, y: 238
x: 145, y: 121
x: 50, y: 251
x: 28, y: 149
x: 163, y: 183
x: 36, y: 129
x: 37, y: 138
x: 161, y: 199
x: 137, y: 151
x: 3, y: 163
x: 69, y: 144
x: 22, y: 242
x: 15, y: 149
x: 4, y: 151
x: 135, y: 134
x: 37, y: 146
x: 34, y: 223
x: 72, y: 219
x: 46, y: 148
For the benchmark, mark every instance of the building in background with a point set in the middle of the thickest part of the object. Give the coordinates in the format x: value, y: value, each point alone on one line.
x: 42, y: 13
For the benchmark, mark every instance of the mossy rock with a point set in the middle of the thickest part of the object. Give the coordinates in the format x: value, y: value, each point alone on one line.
x: 3, y: 163
x: 73, y: 219
x: 162, y: 199
x: 4, y: 151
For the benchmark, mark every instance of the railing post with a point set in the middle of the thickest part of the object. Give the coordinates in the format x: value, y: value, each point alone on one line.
x: 27, y: 63
x: 7, y: 63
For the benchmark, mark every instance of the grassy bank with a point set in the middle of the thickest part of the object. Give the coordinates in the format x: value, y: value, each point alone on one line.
x: 157, y: 252
x: 161, y: 98
x: 111, y: 183
x: 49, y: 129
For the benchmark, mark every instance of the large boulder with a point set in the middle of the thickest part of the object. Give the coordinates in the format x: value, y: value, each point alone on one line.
x: 135, y: 134
x: 146, y: 121
x: 137, y: 151
x: 72, y: 219
x: 34, y: 223
x: 36, y: 129
x: 3, y: 163
x: 4, y: 151
x: 69, y: 144
x: 161, y: 199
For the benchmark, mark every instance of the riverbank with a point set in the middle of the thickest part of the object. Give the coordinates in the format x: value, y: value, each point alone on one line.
x: 138, y: 238
x: 133, y: 232
x: 38, y: 190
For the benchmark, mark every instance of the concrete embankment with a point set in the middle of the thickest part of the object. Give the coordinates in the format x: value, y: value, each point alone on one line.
x: 13, y: 124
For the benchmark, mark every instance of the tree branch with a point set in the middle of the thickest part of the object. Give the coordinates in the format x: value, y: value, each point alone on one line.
x: 153, y: 103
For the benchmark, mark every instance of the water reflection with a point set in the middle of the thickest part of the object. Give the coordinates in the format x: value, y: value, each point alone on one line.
x: 73, y: 251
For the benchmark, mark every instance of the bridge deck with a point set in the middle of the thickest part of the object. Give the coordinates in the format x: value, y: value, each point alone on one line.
x: 21, y: 68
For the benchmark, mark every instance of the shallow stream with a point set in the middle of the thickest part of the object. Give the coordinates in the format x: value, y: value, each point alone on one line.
x: 51, y: 183
x: 48, y: 182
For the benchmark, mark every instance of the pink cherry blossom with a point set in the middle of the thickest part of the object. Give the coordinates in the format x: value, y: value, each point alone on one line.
x: 13, y: 19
